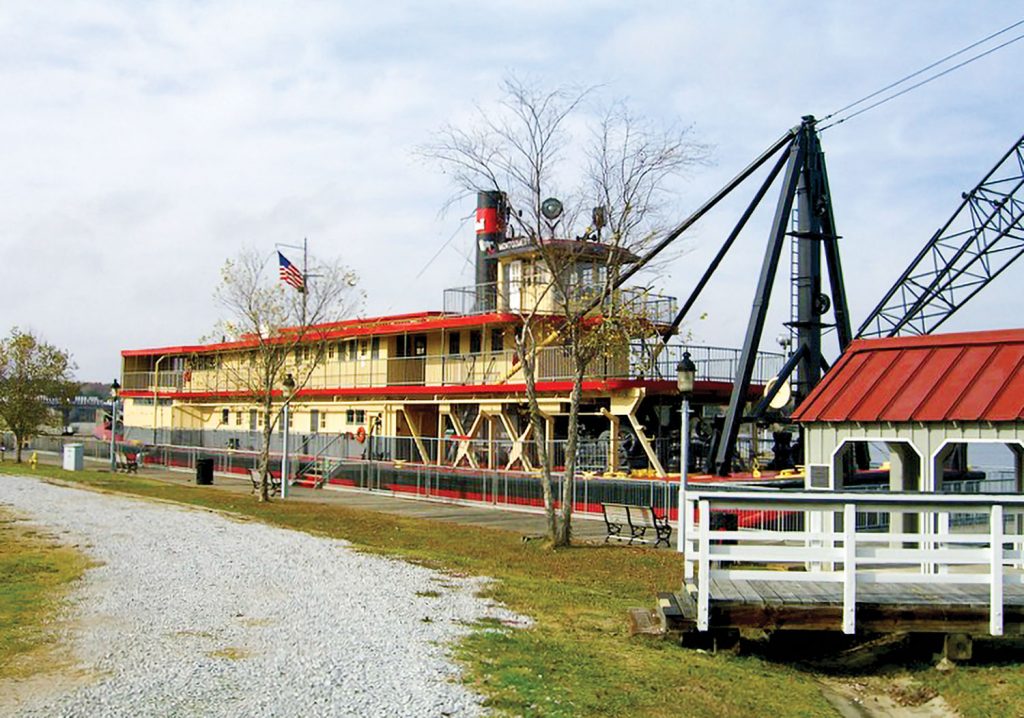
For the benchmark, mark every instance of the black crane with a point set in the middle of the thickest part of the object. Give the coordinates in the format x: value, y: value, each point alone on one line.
x: 981, y: 239
x: 800, y: 161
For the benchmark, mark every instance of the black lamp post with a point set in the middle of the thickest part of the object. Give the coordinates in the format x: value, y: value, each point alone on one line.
x: 115, y: 392
x: 686, y: 373
x: 289, y: 388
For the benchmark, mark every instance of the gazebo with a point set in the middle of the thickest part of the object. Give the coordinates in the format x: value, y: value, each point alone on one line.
x: 941, y: 551
x: 927, y: 398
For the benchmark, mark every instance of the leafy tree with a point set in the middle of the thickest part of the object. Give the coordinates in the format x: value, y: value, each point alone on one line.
x: 31, y: 373
x: 272, y: 320
x: 621, y: 166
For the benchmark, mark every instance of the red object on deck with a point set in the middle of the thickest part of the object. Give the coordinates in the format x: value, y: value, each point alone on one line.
x: 972, y: 376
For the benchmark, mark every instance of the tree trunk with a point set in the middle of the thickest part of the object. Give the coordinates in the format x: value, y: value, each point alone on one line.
x: 268, y: 433
x: 539, y: 437
x: 17, y: 448
x: 564, y: 533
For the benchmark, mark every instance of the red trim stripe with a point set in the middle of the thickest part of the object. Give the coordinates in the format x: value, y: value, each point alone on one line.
x: 702, y: 390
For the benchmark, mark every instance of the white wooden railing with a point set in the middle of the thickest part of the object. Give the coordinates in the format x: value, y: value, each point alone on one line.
x: 828, y: 547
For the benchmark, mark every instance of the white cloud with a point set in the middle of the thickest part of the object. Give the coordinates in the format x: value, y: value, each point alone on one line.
x: 145, y: 143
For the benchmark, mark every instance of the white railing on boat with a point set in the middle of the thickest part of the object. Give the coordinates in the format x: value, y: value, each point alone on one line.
x: 826, y: 546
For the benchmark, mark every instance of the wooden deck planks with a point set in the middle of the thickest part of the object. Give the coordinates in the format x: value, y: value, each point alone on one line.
x: 748, y: 593
x: 826, y: 592
x: 773, y: 603
x: 766, y: 589
x: 808, y: 593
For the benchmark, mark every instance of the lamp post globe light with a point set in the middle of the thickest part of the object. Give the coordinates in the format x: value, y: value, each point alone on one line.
x: 289, y: 387
x: 115, y: 392
x: 686, y: 373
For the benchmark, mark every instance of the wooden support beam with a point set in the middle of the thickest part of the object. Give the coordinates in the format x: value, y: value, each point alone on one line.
x: 441, y: 414
x: 641, y: 436
x: 518, y: 450
x: 465, y: 450
x: 415, y: 431
x: 490, y: 443
x: 613, y: 441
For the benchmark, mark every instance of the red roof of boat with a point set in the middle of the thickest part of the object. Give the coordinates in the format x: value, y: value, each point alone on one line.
x: 379, y: 326
x: 973, y: 376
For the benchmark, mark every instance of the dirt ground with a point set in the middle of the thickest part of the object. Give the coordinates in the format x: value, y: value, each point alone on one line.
x: 879, y: 697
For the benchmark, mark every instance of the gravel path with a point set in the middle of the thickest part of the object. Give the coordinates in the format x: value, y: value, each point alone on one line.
x: 194, y: 614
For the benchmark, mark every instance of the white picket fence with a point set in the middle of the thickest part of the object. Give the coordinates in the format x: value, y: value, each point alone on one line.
x: 827, y: 546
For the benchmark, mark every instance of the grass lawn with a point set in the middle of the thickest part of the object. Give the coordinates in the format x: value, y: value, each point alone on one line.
x: 577, y: 659
x: 35, y: 573
x: 993, y: 685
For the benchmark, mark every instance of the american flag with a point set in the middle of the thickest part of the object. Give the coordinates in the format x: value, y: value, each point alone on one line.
x: 290, y: 274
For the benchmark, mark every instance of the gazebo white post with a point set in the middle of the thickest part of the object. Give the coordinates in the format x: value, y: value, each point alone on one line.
x: 1018, y: 473
x: 931, y: 480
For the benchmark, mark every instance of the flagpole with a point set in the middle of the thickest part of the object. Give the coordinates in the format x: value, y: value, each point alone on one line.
x: 290, y: 388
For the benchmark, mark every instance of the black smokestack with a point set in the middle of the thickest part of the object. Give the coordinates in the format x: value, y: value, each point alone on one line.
x: 491, y: 220
x: 491, y: 216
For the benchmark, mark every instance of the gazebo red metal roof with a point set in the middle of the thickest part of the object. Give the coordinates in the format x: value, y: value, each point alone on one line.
x: 974, y: 376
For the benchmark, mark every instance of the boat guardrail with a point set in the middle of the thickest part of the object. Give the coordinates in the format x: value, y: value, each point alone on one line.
x: 554, y: 363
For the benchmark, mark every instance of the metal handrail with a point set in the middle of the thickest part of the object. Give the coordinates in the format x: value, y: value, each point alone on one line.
x: 553, y: 364
x: 314, y: 461
x: 492, y: 297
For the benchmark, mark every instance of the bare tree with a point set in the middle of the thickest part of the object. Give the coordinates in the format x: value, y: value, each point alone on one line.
x: 520, y: 147
x: 516, y: 148
x: 630, y: 164
x: 281, y: 331
x: 32, y: 372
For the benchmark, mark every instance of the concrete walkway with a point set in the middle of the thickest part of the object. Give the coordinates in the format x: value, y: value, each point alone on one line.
x: 525, y: 523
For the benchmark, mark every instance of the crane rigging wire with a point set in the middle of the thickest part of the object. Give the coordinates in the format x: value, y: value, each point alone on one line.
x: 924, y: 81
x: 912, y: 75
x: 448, y: 241
x: 833, y: 114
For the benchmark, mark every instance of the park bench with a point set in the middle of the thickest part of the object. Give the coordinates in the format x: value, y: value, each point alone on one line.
x: 638, y: 519
x: 127, y: 464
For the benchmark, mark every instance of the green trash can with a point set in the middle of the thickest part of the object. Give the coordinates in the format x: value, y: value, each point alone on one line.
x: 204, y: 472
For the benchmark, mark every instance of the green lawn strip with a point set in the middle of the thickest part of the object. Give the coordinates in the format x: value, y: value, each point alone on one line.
x: 35, y: 574
x: 991, y: 685
x: 577, y: 660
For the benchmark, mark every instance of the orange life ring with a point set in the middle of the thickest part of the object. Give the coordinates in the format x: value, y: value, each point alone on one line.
x: 360, y: 435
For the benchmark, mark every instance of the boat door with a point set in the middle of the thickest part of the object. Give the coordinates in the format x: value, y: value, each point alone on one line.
x: 515, y: 284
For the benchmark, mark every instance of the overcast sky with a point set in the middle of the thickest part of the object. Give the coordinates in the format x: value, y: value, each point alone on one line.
x: 142, y: 144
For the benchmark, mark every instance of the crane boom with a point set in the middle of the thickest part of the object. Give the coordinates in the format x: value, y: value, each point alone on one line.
x: 982, y: 238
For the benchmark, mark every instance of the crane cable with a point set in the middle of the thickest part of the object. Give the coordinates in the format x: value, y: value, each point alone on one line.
x: 919, y: 72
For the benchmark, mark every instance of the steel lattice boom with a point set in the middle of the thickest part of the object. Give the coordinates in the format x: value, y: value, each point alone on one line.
x: 982, y: 238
